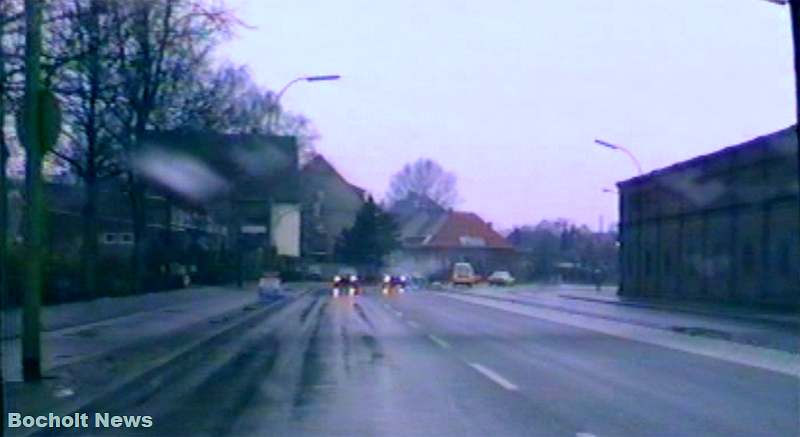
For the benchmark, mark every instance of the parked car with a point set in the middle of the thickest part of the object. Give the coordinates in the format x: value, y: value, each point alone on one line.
x: 464, y: 274
x: 346, y: 282
x: 501, y: 277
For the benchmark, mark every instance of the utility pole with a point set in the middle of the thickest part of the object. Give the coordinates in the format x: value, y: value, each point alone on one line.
x: 38, y: 128
x: 3, y: 202
x: 794, y: 13
x: 34, y: 238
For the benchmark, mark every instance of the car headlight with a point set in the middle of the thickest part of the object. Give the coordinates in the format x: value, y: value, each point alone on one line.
x: 387, y: 278
x: 337, y: 278
x: 354, y: 278
x: 403, y: 278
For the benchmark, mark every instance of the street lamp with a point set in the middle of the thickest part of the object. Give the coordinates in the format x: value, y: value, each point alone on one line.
x: 623, y: 150
x: 638, y: 203
x: 276, y: 103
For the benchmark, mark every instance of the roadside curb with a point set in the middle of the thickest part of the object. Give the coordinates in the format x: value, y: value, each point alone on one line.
x: 144, y: 378
x: 751, y: 319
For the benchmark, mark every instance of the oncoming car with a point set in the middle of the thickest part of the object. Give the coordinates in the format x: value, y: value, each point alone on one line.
x: 346, y: 282
x: 394, y: 284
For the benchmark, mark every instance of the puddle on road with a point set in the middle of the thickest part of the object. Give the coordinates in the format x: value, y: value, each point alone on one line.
x: 373, y: 346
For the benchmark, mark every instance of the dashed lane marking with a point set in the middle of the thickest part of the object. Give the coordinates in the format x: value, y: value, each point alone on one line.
x: 443, y: 344
x: 494, y: 376
x: 413, y: 324
x: 584, y: 434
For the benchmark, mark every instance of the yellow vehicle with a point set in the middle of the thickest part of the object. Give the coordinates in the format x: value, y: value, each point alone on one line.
x: 464, y: 274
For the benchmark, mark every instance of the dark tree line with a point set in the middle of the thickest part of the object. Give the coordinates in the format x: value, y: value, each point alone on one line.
x: 119, y: 70
x: 559, y: 247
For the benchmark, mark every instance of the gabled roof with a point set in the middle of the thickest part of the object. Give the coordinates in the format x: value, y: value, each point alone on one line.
x: 466, y: 229
x: 319, y: 165
x: 422, y: 226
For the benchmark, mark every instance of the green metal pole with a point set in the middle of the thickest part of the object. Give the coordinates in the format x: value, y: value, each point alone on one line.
x: 3, y: 204
x: 34, y: 237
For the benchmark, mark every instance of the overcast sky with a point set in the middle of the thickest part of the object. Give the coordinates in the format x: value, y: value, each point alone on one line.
x: 509, y: 95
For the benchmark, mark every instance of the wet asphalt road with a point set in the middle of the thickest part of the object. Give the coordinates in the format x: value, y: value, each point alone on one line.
x: 421, y: 364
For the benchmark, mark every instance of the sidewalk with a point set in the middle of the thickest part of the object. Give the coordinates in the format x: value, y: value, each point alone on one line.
x: 112, y: 349
x: 81, y: 330
x: 608, y: 295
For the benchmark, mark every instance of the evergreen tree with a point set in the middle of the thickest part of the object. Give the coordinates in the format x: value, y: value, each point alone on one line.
x: 373, y: 236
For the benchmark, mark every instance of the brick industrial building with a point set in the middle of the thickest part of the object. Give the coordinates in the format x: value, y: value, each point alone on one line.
x: 722, y: 226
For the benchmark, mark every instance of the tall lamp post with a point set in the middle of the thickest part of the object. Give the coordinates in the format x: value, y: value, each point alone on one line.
x: 623, y: 150
x: 276, y: 113
x: 638, y: 208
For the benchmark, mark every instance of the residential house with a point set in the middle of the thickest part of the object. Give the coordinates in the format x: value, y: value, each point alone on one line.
x: 329, y: 203
x: 433, y: 239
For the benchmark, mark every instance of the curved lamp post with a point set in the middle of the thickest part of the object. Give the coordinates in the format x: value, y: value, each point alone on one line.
x: 274, y: 114
x: 623, y: 150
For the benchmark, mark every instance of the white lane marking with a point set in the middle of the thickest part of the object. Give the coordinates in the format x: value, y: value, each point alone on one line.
x: 494, y: 376
x: 769, y: 359
x: 584, y: 434
x: 443, y: 344
x: 413, y: 324
x: 398, y: 313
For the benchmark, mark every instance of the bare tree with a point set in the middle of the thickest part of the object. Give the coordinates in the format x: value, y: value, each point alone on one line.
x: 426, y: 178
x: 228, y: 100
x: 81, y: 36
x: 158, y: 43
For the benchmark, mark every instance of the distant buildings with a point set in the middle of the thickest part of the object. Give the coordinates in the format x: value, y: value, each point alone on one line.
x: 209, y: 197
x: 559, y: 250
x: 722, y: 226
x: 433, y: 239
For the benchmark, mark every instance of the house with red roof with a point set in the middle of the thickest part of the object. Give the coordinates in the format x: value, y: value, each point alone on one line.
x: 433, y: 239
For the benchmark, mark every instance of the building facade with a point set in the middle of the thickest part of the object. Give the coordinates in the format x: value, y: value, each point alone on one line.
x: 722, y: 227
